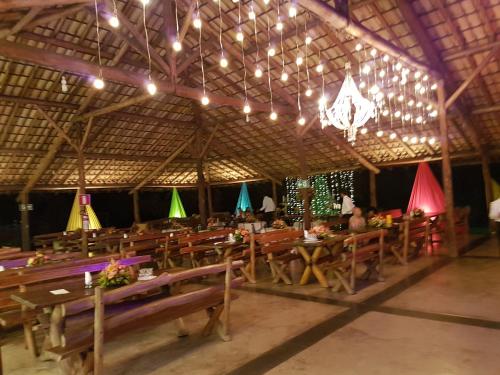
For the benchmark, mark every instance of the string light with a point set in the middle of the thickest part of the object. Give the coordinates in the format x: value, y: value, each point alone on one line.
x: 246, y: 108
x: 292, y: 11
x: 151, y: 88
x: 364, y: 130
x: 150, y: 85
x: 176, y: 45
x: 204, y: 99
x: 113, y: 20
x: 379, y: 133
x: 432, y: 140
x: 223, y: 61
x: 319, y: 68
x: 279, y: 27
x: 273, y: 115
x: 405, y: 138
x: 258, y: 68
x: 258, y: 72
x: 393, y: 135
x: 98, y: 82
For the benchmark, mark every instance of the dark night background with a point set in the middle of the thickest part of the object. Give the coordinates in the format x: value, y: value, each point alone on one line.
x: 114, y: 208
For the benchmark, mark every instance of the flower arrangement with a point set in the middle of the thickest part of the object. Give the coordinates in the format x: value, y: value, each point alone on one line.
x: 377, y: 221
x: 242, y: 235
x: 249, y: 218
x: 320, y: 231
x: 417, y: 212
x: 279, y: 224
x: 114, y: 275
x: 38, y: 260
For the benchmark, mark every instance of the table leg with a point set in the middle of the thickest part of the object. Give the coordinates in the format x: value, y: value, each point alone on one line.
x: 307, y: 270
x: 320, y: 276
x: 28, y: 333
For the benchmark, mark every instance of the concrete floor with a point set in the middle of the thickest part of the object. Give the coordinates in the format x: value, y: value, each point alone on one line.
x: 435, y: 316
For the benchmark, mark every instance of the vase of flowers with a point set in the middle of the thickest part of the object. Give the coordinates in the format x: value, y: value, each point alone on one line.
x: 241, y: 235
x: 377, y: 221
x: 320, y: 231
x: 417, y: 212
x: 279, y: 224
x: 38, y: 260
x: 114, y: 275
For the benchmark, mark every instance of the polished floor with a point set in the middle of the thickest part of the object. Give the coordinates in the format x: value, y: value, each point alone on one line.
x: 435, y: 316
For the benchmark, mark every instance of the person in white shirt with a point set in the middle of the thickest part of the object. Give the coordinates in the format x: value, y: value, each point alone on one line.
x: 269, y: 207
x: 495, y: 215
x: 347, y: 204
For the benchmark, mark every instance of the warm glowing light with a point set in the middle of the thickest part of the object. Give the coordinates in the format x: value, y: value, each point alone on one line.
x: 197, y: 23
x: 385, y: 112
x: 322, y: 101
x: 426, y: 78
x: 362, y: 84
x: 429, y: 107
x: 418, y: 85
x: 273, y: 116
x: 411, y: 102
x: 419, y: 104
x: 114, y: 22
x: 98, y: 83
x: 300, y: 60
x: 422, y: 91
x: 432, y: 140
x: 359, y: 47
x: 247, y: 109
x: 379, y: 133
x: 284, y: 76
x: 393, y: 136
x: 239, y: 36
x: 308, y: 40
x: 363, y: 130
x: 407, y: 117
x: 401, y: 98
x: 373, y: 52
x: 251, y: 15
x: 145, y: 2
x: 292, y: 11
x: 419, y: 119
x: 223, y: 62
x: 379, y: 96
x: 414, y: 140
x: 374, y: 89
x: 404, y: 81
x: 151, y: 87
x: 390, y: 95
x: 267, y: 2
x: 397, y: 114
x: 398, y: 66
x: 319, y: 68
x: 405, y: 138
x: 279, y: 25
x: 423, y: 139
x: 417, y: 74
x: 271, y: 51
x: 258, y: 72
x: 366, y: 69
x: 381, y: 74
x: 386, y: 58
x: 433, y: 113
x: 309, y: 92
x: 301, y: 121
x: 395, y: 78
x: 434, y: 86
x: 205, y: 100
x: 177, y: 46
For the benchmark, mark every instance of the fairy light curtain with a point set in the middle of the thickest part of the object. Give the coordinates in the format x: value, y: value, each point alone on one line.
x: 426, y: 193
x: 243, y: 200
x: 496, y: 189
x: 75, y: 219
x: 326, y: 198
x: 176, y: 207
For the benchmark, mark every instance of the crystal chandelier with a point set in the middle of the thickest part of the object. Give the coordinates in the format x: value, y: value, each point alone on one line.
x: 341, y: 114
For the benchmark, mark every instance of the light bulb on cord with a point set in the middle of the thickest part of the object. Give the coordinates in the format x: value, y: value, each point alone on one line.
x: 266, y: 2
x: 251, y: 14
x: 362, y: 84
x: 151, y: 88
x: 308, y: 40
x: 292, y: 11
x: 434, y: 86
x: 386, y: 58
x: 247, y: 109
x: 309, y: 92
x: 364, y: 130
x: 239, y: 36
x: 432, y: 140
x: 205, y: 100
x: 273, y: 116
x: 197, y: 22
x: 98, y: 83
x: 177, y: 46
x: 284, y: 76
x: 279, y: 25
x: 414, y: 140
x: 301, y: 121
x: 405, y: 138
x: 419, y: 119
x: 223, y: 61
x: 433, y: 113
x: 271, y: 51
x: 145, y: 2
x: 359, y: 47
x: 385, y: 112
x: 319, y: 68
x: 322, y: 101
x: 379, y: 133
x: 300, y: 60
x: 258, y: 72
x: 366, y: 69
x: 423, y: 139
x: 397, y: 114
x: 114, y: 21
x: 393, y: 135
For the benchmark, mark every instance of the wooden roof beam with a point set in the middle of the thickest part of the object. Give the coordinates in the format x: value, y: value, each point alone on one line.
x: 80, y: 67
x: 16, y: 4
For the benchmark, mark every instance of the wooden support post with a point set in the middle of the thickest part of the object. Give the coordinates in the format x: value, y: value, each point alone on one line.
x: 202, y: 200
x: 373, y: 189
x: 488, y: 188
x: 447, y: 173
x: 98, y: 332
x: 83, y: 208
x: 275, y: 197
x: 210, y: 201
x: 137, y: 208
x: 25, y: 223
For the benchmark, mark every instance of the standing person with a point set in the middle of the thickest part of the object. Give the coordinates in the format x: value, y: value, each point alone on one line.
x: 347, y: 204
x: 269, y: 207
x: 495, y: 215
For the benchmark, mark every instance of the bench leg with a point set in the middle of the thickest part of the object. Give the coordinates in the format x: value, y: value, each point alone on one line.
x: 280, y: 273
x: 247, y: 275
x: 398, y: 256
x: 214, y: 315
x: 181, y: 328
x: 344, y: 282
x: 30, y: 337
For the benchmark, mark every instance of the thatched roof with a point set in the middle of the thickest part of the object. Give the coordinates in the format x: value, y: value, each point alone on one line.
x: 137, y: 134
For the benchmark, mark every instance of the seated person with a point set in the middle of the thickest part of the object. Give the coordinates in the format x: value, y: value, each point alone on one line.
x: 357, y: 222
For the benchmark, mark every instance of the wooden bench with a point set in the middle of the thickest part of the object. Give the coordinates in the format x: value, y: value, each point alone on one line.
x: 276, y: 246
x: 438, y: 227
x: 396, y: 213
x: 86, y: 324
x: 367, y: 248
x: 187, y: 242
x: 413, y: 236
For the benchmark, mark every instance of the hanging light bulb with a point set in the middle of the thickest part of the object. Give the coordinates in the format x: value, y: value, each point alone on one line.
x: 114, y: 21
x: 405, y: 138
x: 266, y: 2
x: 385, y: 112
x: 177, y: 46
x: 258, y: 72
x: 434, y: 86
x: 145, y: 2
x: 64, y: 84
x: 432, y: 140
x: 251, y: 14
x: 292, y: 11
x: 419, y: 119
x: 301, y: 121
x: 322, y: 101
x: 386, y: 58
x: 98, y: 83
x: 247, y: 109
x: 433, y: 113
x: 364, y: 130
x: 273, y: 116
x: 379, y: 133
x: 205, y: 100
x: 398, y: 66
x: 284, y: 76
x: 401, y: 98
x: 390, y: 95
x: 395, y: 78
x: 374, y: 89
x: 407, y: 117
x: 423, y: 139
x: 381, y: 74
x: 362, y: 84
x: 223, y: 61
x: 417, y: 74
x: 151, y: 88
x: 279, y: 25
x: 429, y: 107
x: 366, y: 69
x: 411, y: 102
x: 414, y: 140
x: 426, y: 78
x: 271, y: 51
x: 309, y: 92
x: 319, y: 68
x: 300, y: 60
x: 308, y: 40
x: 239, y: 36
x: 397, y: 114
x: 197, y: 22
x: 358, y: 47
x: 419, y: 104
x: 393, y: 135
x: 418, y: 85
x: 422, y: 91
x: 373, y: 52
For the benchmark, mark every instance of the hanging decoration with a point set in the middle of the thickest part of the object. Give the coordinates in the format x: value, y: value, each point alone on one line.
x: 204, y: 99
x: 75, y: 216
x: 270, y: 52
x: 244, y: 202
x: 340, y: 113
x: 176, y: 45
x: 176, y: 207
x: 223, y: 60
x: 113, y: 20
x: 150, y: 85
x: 426, y: 194
x: 98, y: 82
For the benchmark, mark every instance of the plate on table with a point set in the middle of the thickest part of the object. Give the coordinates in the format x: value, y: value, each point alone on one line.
x: 146, y: 277
x: 311, y: 240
